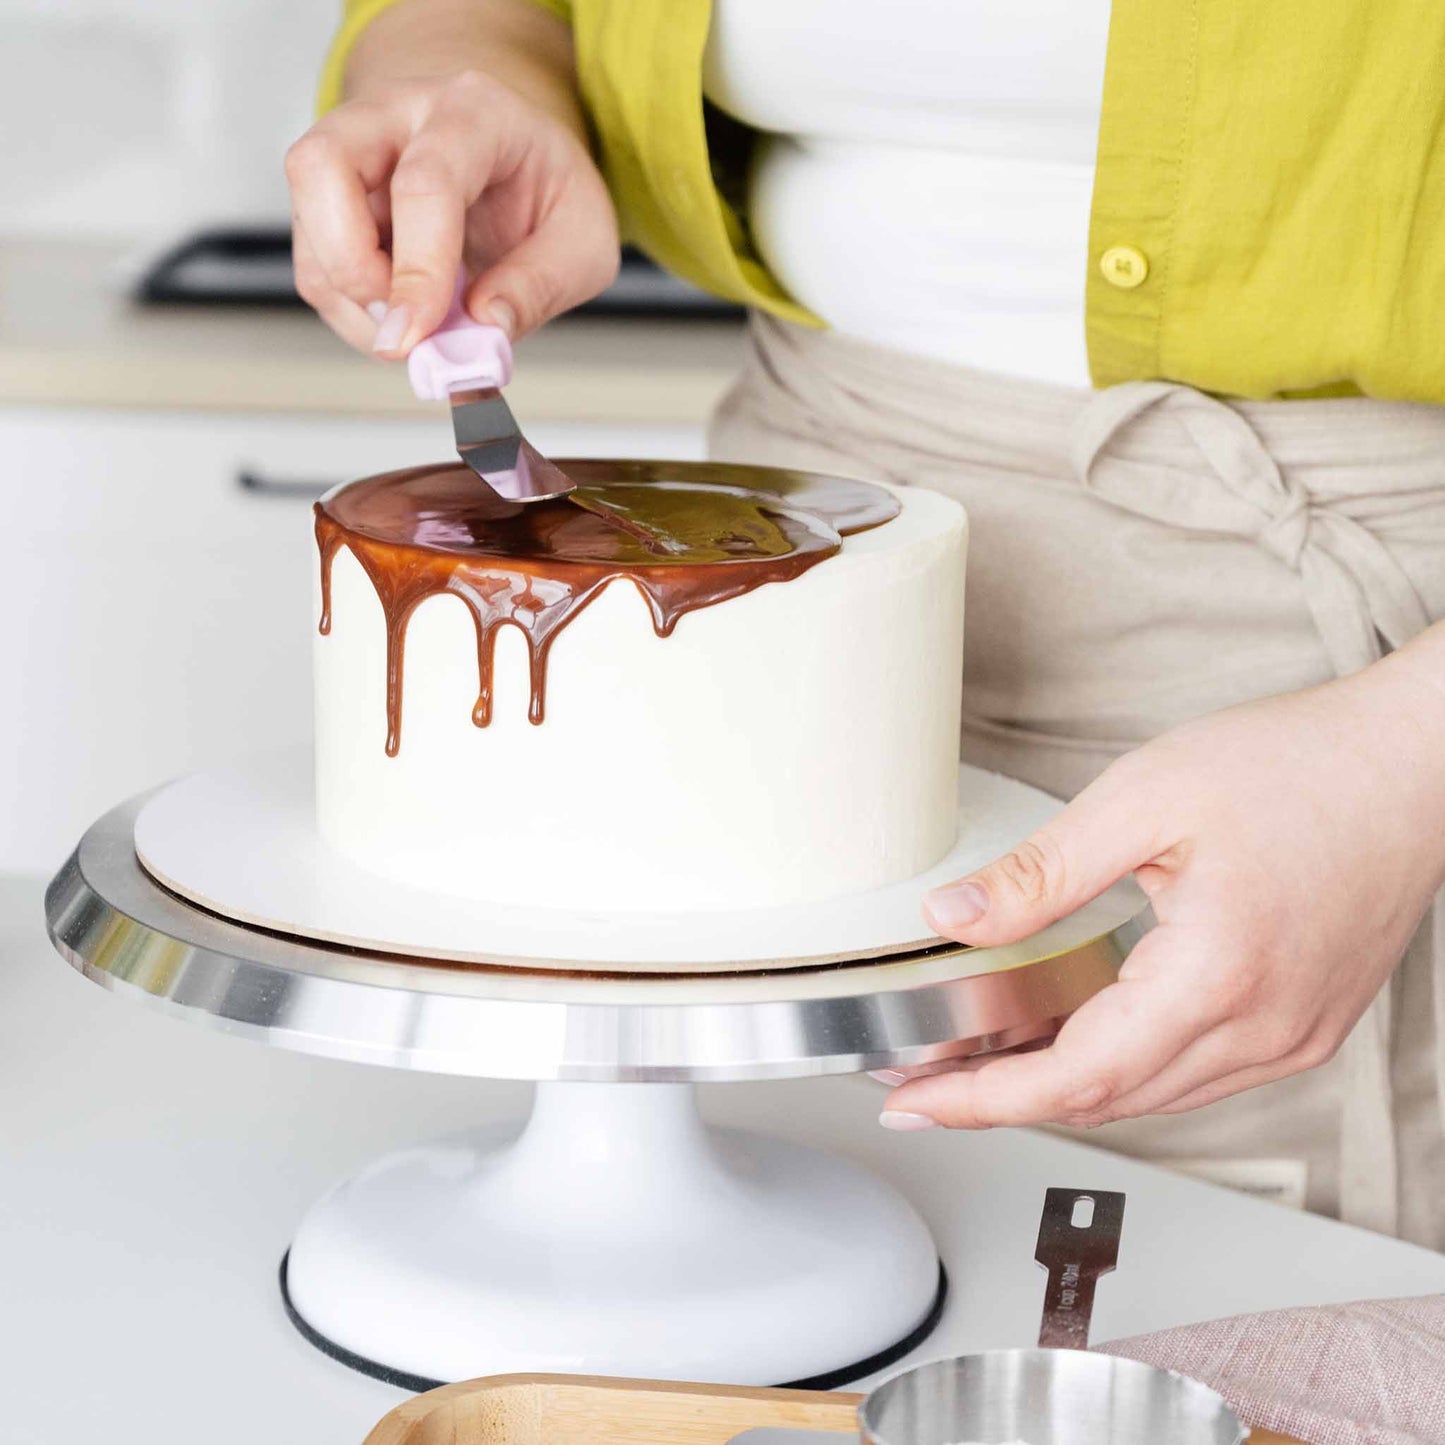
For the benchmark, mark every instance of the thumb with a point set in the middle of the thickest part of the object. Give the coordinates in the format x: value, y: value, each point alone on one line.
x: 1105, y: 833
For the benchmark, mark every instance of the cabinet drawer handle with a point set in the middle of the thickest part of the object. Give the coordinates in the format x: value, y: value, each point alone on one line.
x: 264, y: 486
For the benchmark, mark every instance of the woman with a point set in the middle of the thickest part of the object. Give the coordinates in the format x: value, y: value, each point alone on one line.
x: 1212, y: 623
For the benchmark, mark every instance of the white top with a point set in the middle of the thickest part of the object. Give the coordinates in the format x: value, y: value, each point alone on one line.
x: 929, y: 169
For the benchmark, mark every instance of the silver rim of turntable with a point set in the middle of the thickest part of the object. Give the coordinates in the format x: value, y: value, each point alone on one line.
x: 113, y: 922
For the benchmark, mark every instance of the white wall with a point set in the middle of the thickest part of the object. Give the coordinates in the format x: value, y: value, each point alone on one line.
x: 144, y: 118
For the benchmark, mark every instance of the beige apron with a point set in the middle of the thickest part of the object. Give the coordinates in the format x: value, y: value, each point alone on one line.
x: 1140, y: 556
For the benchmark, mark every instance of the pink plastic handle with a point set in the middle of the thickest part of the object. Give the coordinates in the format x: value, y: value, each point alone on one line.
x: 459, y: 355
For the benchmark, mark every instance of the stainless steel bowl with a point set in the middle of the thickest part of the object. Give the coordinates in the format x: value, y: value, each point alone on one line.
x: 1046, y: 1397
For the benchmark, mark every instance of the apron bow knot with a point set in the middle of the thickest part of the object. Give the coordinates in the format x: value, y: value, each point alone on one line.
x: 1287, y: 533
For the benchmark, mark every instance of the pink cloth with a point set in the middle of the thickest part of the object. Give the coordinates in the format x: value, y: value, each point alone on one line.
x: 1369, y: 1373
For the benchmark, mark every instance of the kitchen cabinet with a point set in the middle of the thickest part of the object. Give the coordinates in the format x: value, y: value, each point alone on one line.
x: 156, y: 590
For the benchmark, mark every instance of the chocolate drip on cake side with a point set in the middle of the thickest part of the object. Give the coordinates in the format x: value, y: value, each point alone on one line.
x: 685, y: 544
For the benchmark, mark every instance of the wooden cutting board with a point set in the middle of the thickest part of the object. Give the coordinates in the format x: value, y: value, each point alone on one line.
x: 589, y: 1410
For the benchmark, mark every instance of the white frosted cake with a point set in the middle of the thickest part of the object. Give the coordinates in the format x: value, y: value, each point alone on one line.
x: 692, y: 689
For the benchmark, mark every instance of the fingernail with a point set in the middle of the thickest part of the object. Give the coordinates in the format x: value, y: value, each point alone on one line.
x: 957, y: 905
x: 891, y: 1077
x: 502, y: 313
x: 905, y: 1123
x: 392, y: 331
x: 376, y: 310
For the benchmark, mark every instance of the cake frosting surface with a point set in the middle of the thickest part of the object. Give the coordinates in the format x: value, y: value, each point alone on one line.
x: 684, y: 544
x: 684, y: 686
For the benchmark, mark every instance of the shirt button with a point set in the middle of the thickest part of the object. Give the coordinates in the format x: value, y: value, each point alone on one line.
x: 1124, y: 266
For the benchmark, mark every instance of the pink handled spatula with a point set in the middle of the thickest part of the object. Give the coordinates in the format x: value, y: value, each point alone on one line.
x: 467, y: 363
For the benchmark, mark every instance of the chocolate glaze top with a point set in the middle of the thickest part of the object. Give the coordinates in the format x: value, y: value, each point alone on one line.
x: 687, y: 535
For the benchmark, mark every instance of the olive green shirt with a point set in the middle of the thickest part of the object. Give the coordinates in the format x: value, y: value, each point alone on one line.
x: 1269, y: 204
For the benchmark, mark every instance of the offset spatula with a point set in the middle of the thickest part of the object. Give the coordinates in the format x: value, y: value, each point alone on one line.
x: 467, y: 363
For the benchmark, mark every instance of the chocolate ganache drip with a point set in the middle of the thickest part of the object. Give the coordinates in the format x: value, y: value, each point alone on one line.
x: 686, y: 535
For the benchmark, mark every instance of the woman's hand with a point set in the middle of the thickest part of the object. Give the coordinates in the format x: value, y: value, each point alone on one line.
x: 1289, y: 848
x: 410, y: 177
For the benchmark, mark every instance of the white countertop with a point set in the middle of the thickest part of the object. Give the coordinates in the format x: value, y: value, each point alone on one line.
x: 70, y: 337
x: 151, y: 1175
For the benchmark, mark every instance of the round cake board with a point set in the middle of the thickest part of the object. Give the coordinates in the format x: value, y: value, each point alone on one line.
x: 242, y: 842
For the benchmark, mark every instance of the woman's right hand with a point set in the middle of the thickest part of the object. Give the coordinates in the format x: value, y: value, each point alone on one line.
x: 392, y: 189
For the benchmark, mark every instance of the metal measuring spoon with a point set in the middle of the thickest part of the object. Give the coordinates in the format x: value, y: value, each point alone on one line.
x: 1056, y: 1395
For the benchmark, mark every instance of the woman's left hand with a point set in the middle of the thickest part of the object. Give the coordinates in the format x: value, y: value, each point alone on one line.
x: 1289, y: 848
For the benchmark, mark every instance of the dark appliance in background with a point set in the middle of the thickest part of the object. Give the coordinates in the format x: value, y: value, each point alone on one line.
x: 241, y: 266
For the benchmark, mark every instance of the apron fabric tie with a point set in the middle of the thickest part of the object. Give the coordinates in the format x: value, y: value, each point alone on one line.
x: 1357, y: 594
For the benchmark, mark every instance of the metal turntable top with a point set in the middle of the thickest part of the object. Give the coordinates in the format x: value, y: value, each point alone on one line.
x: 112, y: 921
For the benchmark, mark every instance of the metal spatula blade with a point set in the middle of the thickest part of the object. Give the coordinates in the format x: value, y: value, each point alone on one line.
x: 491, y: 443
x: 1078, y: 1242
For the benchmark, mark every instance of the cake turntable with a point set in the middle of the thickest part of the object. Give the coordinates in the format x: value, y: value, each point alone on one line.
x: 475, y: 891
x: 616, y: 1233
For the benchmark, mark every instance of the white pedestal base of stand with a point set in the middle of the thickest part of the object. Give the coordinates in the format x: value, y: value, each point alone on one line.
x: 616, y: 1235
